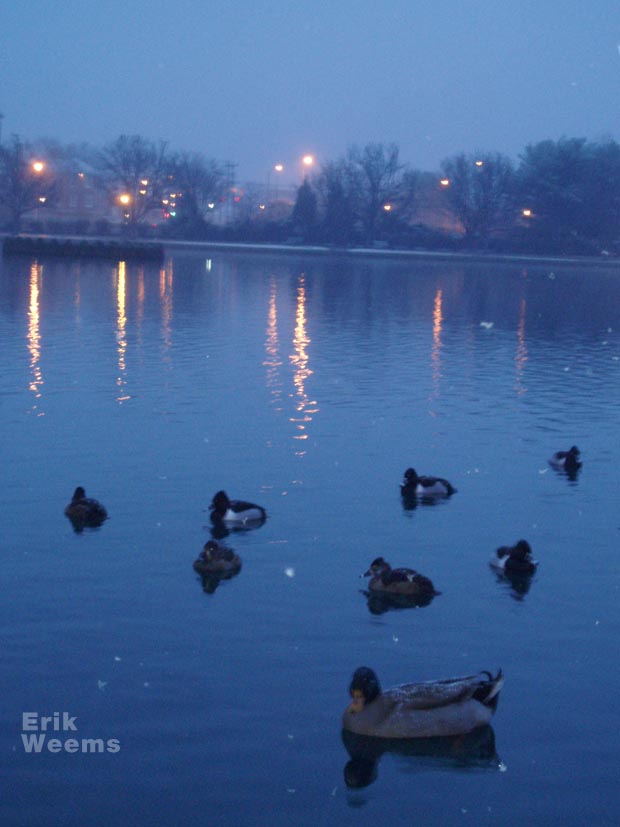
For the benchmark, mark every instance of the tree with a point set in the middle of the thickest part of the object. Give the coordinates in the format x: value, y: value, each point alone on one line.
x: 305, y: 210
x: 571, y: 187
x: 479, y: 191
x: 339, y: 195
x: 378, y: 173
x: 200, y: 182
x: 26, y: 184
x: 134, y: 174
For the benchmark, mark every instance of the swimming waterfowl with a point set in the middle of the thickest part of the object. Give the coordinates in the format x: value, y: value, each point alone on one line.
x: 414, y: 485
x: 421, y: 710
x: 567, y: 460
x: 515, y: 559
x: 383, y: 578
x: 235, y: 512
x: 217, y: 559
x: 84, y: 511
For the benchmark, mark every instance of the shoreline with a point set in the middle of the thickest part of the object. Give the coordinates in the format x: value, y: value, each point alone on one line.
x: 353, y: 252
x: 169, y: 245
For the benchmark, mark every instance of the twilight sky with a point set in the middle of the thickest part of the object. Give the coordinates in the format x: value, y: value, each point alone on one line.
x: 258, y: 82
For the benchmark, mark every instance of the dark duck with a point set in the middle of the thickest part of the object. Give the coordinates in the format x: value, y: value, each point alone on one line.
x: 383, y: 578
x: 568, y: 461
x: 416, y: 486
x: 515, y: 560
x: 216, y: 559
x: 85, y: 512
x: 235, y: 512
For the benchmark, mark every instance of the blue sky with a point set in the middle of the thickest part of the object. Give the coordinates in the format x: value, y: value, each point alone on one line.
x: 258, y: 83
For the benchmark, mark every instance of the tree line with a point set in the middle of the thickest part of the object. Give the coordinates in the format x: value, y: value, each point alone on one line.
x: 559, y: 197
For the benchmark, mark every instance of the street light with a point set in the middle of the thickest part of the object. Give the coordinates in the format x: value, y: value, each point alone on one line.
x: 307, y: 162
x: 445, y: 182
x: 38, y: 167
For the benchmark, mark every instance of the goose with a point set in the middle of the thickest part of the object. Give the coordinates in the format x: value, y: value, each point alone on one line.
x: 425, y: 486
x: 439, y: 708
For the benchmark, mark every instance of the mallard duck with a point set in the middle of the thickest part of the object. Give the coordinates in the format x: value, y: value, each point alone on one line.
x: 414, y: 485
x: 383, y: 578
x: 217, y: 559
x: 235, y: 511
x: 566, y: 460
x: 84, y: 511
x: 421, y: 710
x: 515, y: 559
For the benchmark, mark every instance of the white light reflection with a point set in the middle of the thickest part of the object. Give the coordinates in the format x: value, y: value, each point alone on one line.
x: 121, y: 331
x: 521, y: 355
x: 34, y: 334
x: 166, y: 278
x: 299, y: 359
x: 272, y: 360
x: 436, y: 349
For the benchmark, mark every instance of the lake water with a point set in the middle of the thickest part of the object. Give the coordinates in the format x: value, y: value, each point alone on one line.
x: 308, y: 385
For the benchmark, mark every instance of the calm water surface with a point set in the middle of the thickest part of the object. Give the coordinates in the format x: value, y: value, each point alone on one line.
x: 307, y: 385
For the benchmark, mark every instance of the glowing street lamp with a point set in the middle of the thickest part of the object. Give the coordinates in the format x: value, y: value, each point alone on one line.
x: 387, y: 207
x: 527, y: 213
x: 445, y: 182
x: 479, y: 163
x: 38, y: 167
x: 125, y: 199
x: 307, y: 162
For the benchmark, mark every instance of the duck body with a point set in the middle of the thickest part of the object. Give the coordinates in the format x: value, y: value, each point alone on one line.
x: 415, y: 485
x: 421, y: 710
x: 235, y: 512
x: 85, y: 511
x: 217, y: 559
x: 516, y: 560
x: 385, y: 579
x: 567, y: 460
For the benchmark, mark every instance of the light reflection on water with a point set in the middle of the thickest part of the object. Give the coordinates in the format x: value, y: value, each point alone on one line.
x: 34, y: 335
x: 308, y: 386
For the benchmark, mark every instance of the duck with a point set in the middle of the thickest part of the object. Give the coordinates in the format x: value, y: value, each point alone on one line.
x: 383, y: 578
x: 217, y: 559
x: 235, y: 512
x: 85, y: 511
x: 440, y: 708
x: 566, y: 460
x: 425, y: 486
x: 515, y: 559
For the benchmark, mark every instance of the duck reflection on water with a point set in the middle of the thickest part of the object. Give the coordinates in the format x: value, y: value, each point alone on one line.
x: 471, y: 750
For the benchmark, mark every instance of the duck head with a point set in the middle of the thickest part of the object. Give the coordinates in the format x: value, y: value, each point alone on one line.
x: 363, y: 689
x: 220, y: 503
x: 411, y: 476
x: 378, y: 567
x: 521, y: 550
x: 78, y: 494
x: 209, y: 551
